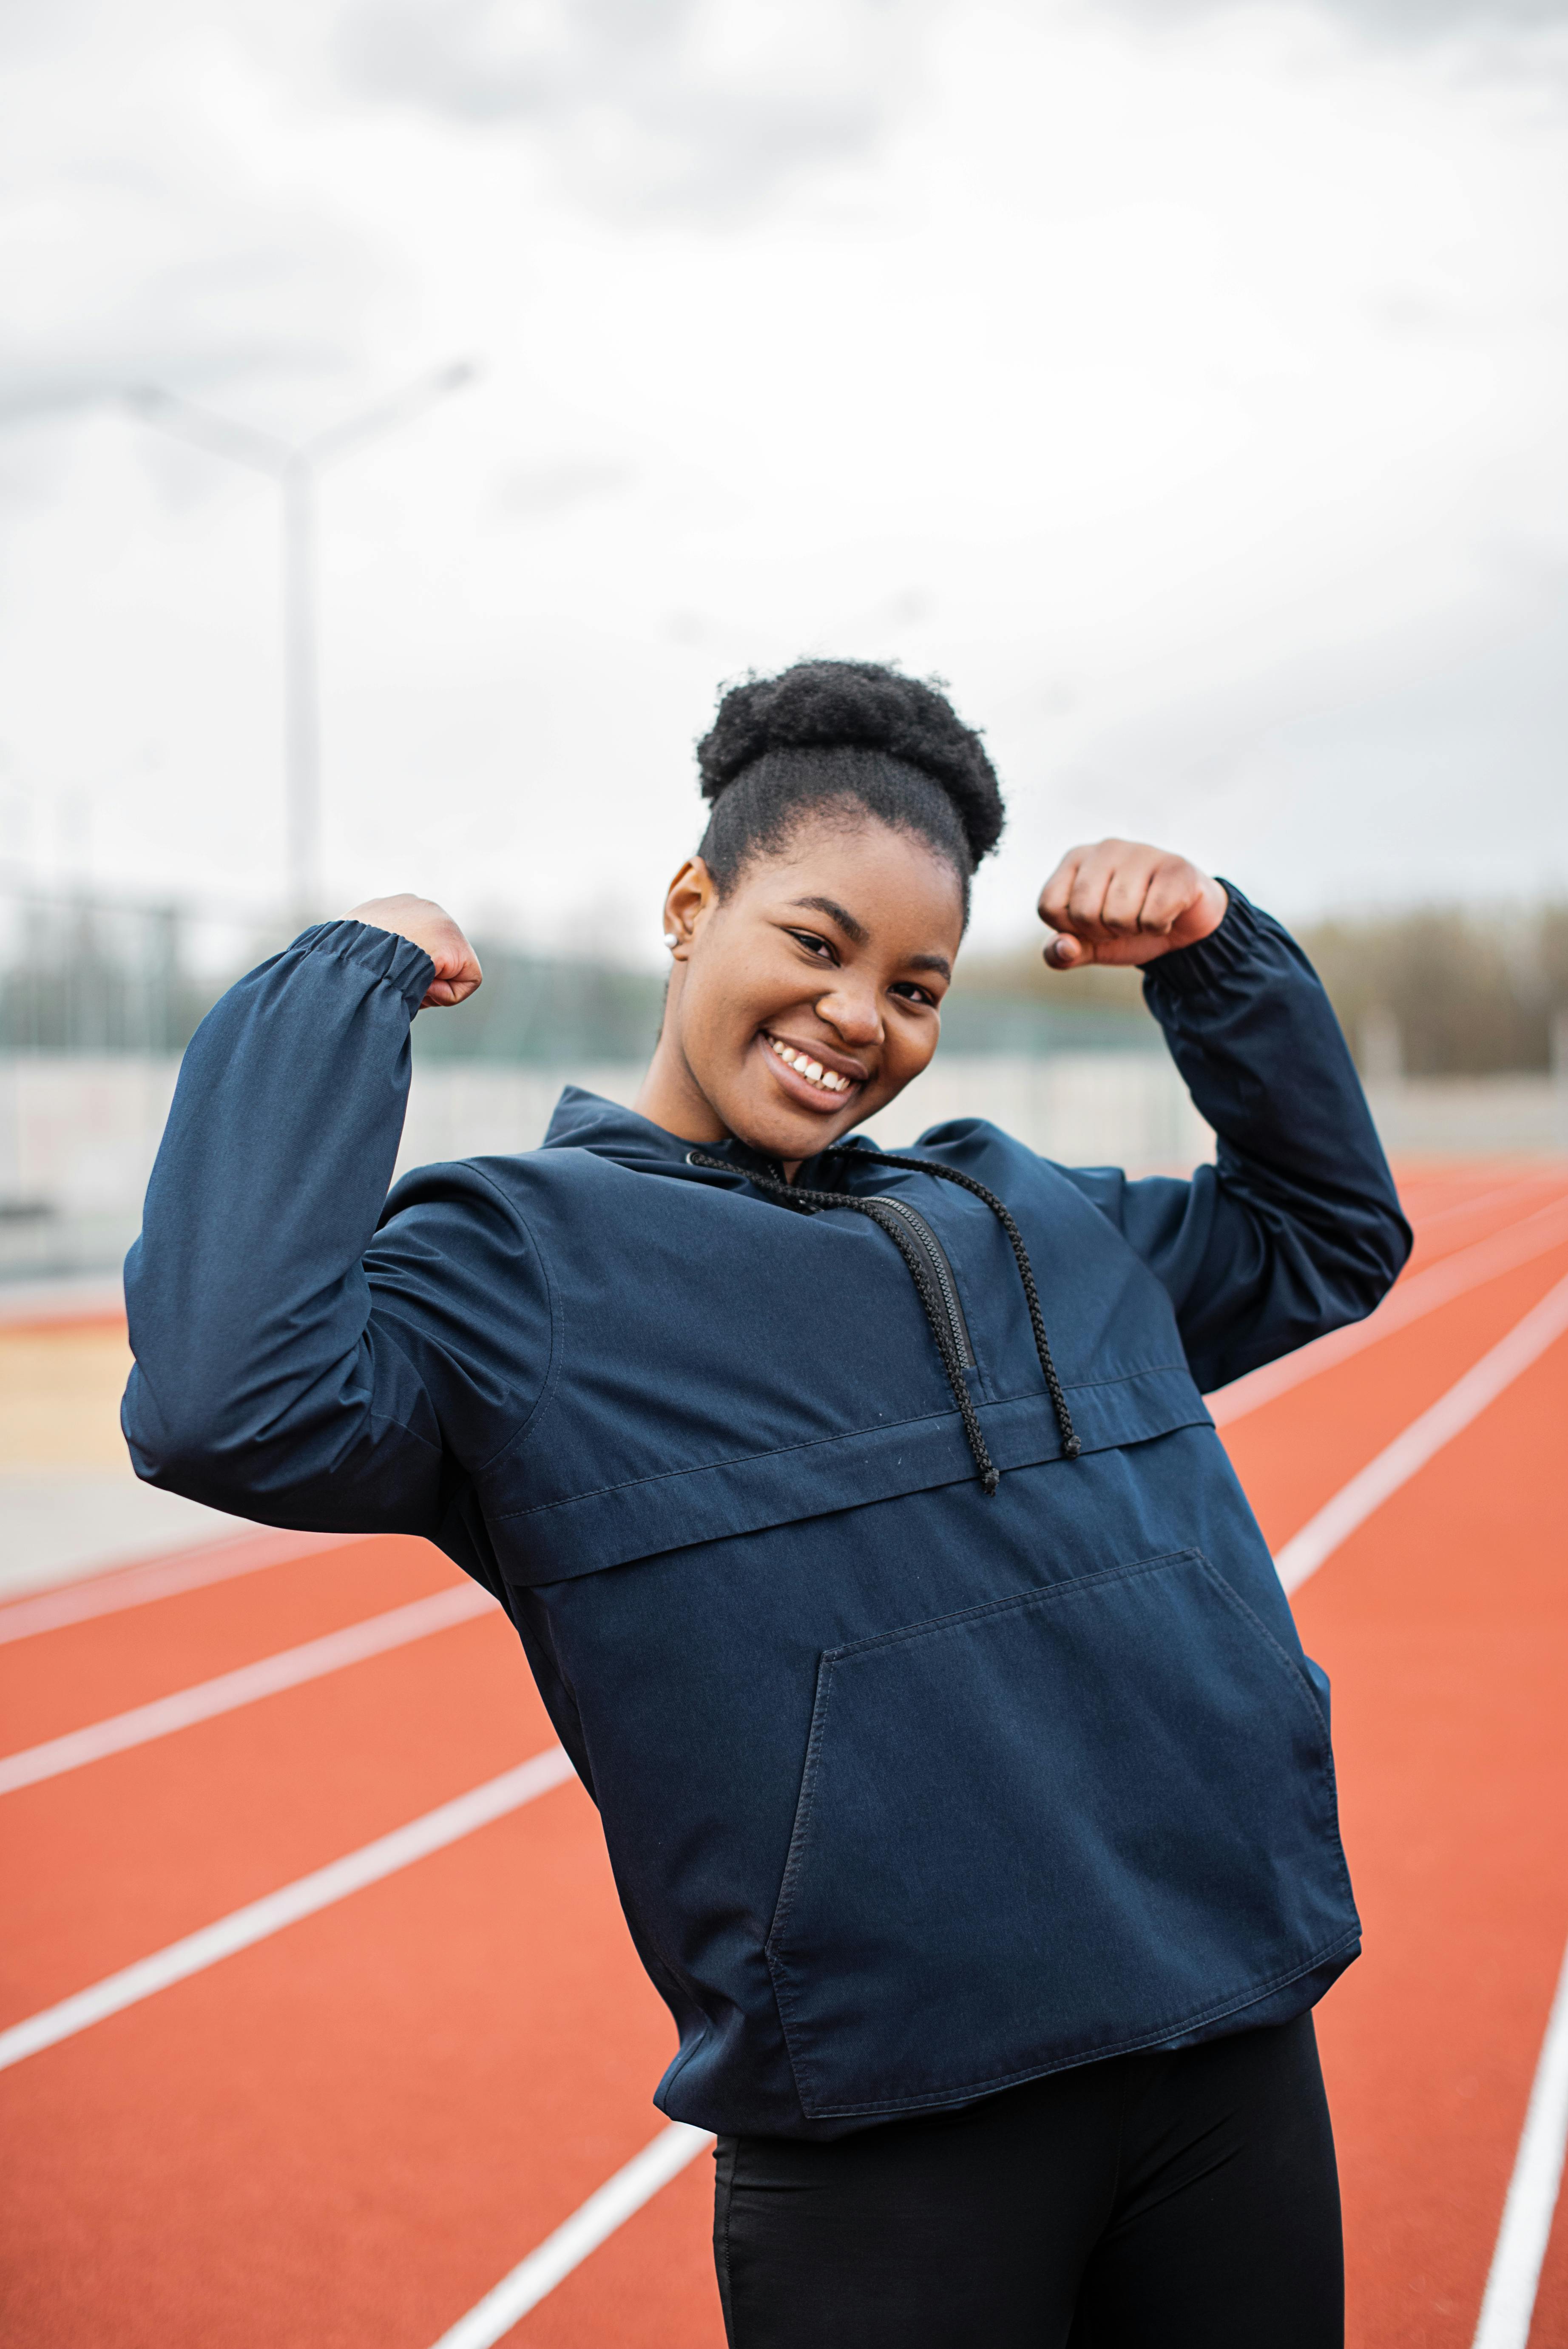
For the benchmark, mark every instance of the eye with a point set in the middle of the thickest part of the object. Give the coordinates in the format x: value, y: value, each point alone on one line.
x: 907, y: 988
x: 819, y: 947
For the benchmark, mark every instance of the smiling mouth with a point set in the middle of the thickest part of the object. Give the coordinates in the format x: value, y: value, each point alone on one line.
x: 821, y: 1079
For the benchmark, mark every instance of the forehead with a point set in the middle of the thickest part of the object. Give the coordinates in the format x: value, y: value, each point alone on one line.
x: 893, y: 884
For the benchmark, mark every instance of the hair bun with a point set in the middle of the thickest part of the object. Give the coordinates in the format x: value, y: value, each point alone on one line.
x: 844, y: 705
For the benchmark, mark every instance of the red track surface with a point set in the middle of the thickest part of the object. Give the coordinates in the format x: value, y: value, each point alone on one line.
x: 346, y: 2134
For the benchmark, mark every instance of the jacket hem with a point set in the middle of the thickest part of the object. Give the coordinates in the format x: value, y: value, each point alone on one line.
x: 1159, y: 2035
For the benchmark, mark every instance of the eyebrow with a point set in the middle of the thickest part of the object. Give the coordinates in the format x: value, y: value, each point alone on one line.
x: 855, y: 931
x: 860, y: 936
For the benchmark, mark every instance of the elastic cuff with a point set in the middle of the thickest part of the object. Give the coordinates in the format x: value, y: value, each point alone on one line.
x: 1225, y: 953
x: 385, y: 955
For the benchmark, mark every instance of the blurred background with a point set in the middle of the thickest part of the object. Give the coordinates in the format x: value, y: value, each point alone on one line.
x: 412, y: 411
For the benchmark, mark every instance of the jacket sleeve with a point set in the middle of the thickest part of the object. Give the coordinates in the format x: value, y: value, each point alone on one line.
x: 1296, y: 1229
x: 293, y: 1363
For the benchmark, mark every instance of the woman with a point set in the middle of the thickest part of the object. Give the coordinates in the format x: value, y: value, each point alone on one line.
x: 967, y: 1791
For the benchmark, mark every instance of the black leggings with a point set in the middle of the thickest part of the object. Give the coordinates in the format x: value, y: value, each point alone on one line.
x: 1149, y: 2202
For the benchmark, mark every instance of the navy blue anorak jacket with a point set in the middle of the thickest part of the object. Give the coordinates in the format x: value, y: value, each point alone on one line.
x: 911, y: 1792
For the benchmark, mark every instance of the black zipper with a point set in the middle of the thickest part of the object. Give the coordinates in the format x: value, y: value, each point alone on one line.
x: 931, y: 1247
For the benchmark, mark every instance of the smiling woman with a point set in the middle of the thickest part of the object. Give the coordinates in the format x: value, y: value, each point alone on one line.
x: 967, y: 1791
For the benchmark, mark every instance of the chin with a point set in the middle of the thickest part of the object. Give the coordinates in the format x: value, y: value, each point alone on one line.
x: 786, y: 1137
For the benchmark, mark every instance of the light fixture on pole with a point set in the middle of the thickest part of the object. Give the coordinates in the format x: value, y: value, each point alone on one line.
x: 295, y: 467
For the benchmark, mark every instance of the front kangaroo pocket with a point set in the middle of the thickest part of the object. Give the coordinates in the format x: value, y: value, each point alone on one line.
x: 1092, y: 1817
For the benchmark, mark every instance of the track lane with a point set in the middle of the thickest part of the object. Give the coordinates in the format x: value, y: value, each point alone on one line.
x: 1444, y: 1623
x: 1434, y: 1217
x: 1292, y: 1455
x: 118, y: 1859
x: 1447, y: 1421
x: 253, y: 1684
x: 651, y: 2286
x: 61, y: 1680
x: 1414, y: 1296
x: 242, y: 1928
x: 53, y: 1602
x: 608, y: 2209
x: 346, y: 2135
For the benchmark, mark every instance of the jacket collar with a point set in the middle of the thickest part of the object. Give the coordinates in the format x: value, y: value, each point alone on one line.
x: 584, y: 1121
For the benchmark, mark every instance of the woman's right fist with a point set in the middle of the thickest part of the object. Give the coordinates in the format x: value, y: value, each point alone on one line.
x: 458, y: 971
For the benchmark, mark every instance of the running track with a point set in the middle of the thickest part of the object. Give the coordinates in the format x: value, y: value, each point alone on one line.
x: 348, y: 2130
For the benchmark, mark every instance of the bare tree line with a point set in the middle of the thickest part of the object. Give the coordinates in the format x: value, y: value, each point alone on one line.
x: 1441, y: 991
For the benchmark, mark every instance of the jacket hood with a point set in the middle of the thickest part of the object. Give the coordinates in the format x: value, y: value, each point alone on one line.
x: 585, y: 1120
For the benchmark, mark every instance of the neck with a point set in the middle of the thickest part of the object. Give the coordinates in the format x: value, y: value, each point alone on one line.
x: 670, y: 1096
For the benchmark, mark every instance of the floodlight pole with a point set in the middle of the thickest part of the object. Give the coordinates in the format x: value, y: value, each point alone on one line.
x: 295, y: 468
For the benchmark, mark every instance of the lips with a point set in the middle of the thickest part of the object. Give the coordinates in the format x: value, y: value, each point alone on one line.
x: 817, y: 1075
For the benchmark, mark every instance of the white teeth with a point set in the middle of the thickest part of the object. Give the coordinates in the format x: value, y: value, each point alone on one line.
x: 812, y: 1071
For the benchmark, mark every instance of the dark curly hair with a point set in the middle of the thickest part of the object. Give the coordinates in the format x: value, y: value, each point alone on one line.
x: 845, y: 735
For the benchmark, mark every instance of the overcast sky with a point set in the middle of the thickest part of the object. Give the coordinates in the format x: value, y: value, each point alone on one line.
x: 1184, y: 383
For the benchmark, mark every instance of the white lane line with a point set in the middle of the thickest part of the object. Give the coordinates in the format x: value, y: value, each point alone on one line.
x: 307, y: 1894
x: 1448, y: 1417
x: 1524, y: 1182
x: 158, y: 1578
x: 290, y: 1667
x: 609, y: 2208
x: 1422, y: 1293
x: 1509, y: 2302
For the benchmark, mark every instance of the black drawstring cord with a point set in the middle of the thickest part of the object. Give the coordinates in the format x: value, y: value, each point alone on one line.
x: 811, y: 1202
x: 1071, y: 1447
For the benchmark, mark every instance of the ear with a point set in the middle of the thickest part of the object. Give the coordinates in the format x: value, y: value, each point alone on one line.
x: 690, y: 898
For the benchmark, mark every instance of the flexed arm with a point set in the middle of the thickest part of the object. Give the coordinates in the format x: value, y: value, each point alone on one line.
x: 278, y: 1373
x: 1296, y: 1229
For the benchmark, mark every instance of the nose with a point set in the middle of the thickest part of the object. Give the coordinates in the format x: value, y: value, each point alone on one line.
x: 853, y: 1011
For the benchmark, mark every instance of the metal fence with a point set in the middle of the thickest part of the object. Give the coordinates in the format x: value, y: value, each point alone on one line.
x: 83, y: 973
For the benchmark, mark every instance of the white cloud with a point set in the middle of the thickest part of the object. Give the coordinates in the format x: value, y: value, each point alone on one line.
x: 704, y: 106
x: 145, y: 231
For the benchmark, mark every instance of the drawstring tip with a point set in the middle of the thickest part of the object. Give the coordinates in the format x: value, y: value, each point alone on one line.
x: 1071, y: 1448
x: 989, y: 1480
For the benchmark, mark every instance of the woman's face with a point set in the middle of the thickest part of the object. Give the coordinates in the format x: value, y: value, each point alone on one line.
x: 830, y: 957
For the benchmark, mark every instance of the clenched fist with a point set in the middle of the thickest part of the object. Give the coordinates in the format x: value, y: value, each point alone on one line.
x: 458, y: 971
x: 1124, y: 902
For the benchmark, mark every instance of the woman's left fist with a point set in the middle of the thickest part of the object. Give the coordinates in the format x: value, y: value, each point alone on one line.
x: 1124, y: 902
